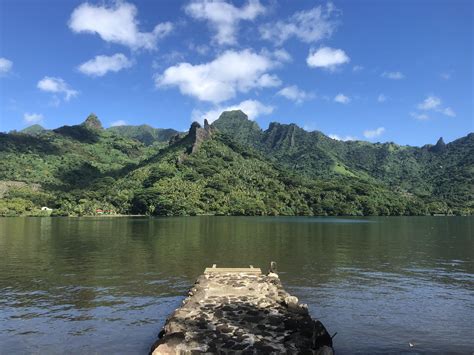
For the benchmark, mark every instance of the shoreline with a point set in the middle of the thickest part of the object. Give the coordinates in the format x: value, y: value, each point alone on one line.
x: 218, y: 215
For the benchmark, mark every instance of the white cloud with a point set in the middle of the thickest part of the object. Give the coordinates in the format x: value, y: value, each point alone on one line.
x: 342, y: 99
x: 5, y: 65
x: 252, y: 108
x: 308, y: 26
x: 268, y: 81
x: 222, y: 78
x: 381, y: 98
x: 420, y: 116
x: 117, y: 24
x: 393, y: 75
x: 32, y: 118
x: 326, y: 57
x: 282, y: 55
x: 118, y: 123
x: 434, y: 103
x: 224, y: 17
x: 430, y: 103
x: 56, y: 86
x: 448, y: 111
x: 102, y: 64
x: 357, y: 68
x: 201, y: 49
x: 340, y: 138
x: 295, y: 94
x: 374, y: 132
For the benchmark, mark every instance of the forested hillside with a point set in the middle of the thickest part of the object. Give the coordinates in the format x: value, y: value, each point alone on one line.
x: 441, y: 173
x: 229, y: 167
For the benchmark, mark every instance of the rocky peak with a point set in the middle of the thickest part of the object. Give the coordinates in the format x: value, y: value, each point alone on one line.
x: 92, y: 122
x: 198, y: 134
x: 439, y: 147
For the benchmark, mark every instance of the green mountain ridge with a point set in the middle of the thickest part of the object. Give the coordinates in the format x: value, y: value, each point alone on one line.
x: 229, y: 167
x: 427, y: 170
x: 144, y: 133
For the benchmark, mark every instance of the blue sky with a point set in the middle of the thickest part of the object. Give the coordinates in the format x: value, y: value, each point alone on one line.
x: 373, y: 70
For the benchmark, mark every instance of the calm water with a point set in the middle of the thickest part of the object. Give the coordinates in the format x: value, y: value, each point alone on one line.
x: 96, y: 285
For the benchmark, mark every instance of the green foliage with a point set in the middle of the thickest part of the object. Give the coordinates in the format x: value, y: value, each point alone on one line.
x: 237, y: 170
x: 33, y: 130
x: 144, y: 133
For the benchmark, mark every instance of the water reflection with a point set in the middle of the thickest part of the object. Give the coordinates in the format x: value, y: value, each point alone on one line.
x: 107, y: 284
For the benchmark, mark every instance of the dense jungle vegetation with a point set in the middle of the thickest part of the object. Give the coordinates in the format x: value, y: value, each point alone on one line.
x: 231, y: 167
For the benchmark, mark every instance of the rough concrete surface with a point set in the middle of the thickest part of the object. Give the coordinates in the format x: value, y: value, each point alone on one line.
x: 241, y: 312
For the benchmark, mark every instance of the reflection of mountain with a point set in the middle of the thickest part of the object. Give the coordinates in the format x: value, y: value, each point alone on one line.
x: 93, y: 252
x: 105, y: 279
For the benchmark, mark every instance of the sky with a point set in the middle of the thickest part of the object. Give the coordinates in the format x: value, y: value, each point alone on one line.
x: 381, y: 71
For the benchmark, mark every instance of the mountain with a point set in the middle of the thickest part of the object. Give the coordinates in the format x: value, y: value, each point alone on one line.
x: 33, y: 130
x: 229, y: 167
x: 427, y: 171
x: 207, y: 172
x: 144, y: 133
x: 92, y: 122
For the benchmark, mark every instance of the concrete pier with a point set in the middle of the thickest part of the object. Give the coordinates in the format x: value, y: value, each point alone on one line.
x: 241, y: 311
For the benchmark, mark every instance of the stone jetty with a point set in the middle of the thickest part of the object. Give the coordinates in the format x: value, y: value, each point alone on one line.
x: 241, y: 311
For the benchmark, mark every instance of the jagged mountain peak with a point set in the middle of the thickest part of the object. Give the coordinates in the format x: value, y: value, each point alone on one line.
x: 92, y: 122
x: 439, y: 147
x: 196, y: 135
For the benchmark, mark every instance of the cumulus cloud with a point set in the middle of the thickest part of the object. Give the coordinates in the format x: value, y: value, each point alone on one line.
x: 295, y: 94
x: 252, y: 108
x: 102, y: 64
x: 342, y: 99
x: 393, y: 75
x: 448, y: 111
x: 117, y: 24
x: 342, y: 138
x: 118, y: 123
x: 372, y: 133
x: 308, y: 26
x: 57, y: 86
x: 224, y: 17
x: 222, y: 78
x: 381, y: 98
x: 5, y: 65
x: 326, y: 57
x: 201, y: 49
x: 32, y: 118
x: 434, y: 103
x: 420, y: 116
x: 269, y: 80
x: 430, y: 103
x: 282, y: 55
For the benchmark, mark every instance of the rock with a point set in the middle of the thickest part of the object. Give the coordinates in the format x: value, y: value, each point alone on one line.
x: 92, y: 122
x: 243, y: 312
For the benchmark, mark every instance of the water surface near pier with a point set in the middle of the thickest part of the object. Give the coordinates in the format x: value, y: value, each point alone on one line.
x: 96, y: 285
